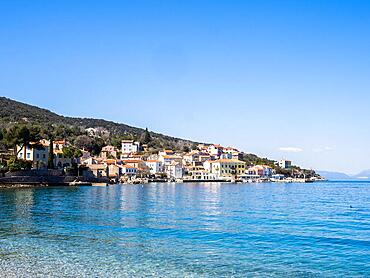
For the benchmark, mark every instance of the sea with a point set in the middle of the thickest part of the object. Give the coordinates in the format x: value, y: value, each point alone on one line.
x: 187, y: 230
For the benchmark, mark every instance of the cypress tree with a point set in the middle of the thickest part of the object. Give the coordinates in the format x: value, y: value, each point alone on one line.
x: 146, y: 138
x: 51, y: 154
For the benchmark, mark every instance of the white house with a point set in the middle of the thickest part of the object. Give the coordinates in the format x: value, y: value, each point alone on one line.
x: 155, y: 166
x: 174, y: 170
x: 201, y: 175
x: 167, y: 159
x: 129, y: 146
x: 215, y: 150
x: 129, y: 170
x: 235, y: 154
x: 285, y: 164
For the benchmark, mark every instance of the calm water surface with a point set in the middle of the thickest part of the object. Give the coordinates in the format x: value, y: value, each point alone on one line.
x: 187, y: 230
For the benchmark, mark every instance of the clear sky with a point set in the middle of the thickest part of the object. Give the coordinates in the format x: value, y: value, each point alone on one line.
x: 283, y: 79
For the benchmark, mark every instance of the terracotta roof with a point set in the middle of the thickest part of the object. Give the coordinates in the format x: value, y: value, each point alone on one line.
x: 171, y: 156
x: 127, y: 161
x: 97, y: 166
x: 129, y: 166
x: 227, y: 161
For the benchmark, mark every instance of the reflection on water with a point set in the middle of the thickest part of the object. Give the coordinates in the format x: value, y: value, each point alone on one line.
x: 192, y: 230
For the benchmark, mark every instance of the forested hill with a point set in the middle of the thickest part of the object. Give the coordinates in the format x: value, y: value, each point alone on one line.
x: 12, y: 112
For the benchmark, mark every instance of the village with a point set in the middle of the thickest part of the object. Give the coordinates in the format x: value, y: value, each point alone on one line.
x: 132, y: 163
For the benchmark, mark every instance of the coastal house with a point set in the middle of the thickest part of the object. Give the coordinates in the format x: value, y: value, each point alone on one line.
x: 191, y: 157
x: 167, y: 159
x: 174, y: 170
x: 215, y: 150
x: 200, y: 175
x: 108, y: 152
x: 130, y: 146
x: 60, y: 160
x: 99, y: 170
x: 260, y: 170
x: 226, y: 167
x: 129, y: 170
x: 234, y: 153
x: 155, y: 166
x: 115, y: 171
x: 285, y: 164
x: 37, y: 152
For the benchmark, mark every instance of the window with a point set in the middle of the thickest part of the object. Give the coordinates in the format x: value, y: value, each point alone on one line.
x: 28, y: 155
x: 37, y: 155
x: 43, y: 156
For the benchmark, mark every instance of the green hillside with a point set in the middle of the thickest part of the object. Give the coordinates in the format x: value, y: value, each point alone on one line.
x: 14, y: 112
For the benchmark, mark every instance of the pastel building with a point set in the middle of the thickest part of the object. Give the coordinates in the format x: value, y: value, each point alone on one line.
x: 226, y: 167
x: 35, y: 152
x: 108, y: 151
x: 260, y: 170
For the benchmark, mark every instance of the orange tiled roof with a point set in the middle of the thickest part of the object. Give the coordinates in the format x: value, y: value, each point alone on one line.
x: 227, y: 161
x: 127, y: 161
x: 129, y: 166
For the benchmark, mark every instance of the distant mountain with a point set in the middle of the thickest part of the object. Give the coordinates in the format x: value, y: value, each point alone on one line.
x: 364, y: 175
x: 334, y: 175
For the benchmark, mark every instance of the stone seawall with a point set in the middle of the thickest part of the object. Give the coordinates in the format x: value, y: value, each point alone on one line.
x: 47, y: 180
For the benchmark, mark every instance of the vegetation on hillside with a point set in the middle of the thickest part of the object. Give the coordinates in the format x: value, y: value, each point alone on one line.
x: 22, y: 124
x: 104, y: 132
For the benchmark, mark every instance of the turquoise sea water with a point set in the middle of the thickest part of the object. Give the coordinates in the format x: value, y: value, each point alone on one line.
x: 187, y: 230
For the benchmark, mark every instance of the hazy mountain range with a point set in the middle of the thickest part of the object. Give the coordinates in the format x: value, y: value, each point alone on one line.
x: 364, y: 175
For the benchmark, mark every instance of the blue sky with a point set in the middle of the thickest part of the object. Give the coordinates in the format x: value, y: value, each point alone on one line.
x: 283, y: 79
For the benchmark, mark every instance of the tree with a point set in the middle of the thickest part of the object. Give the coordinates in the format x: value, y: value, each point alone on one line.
x: 83, y: 142
x: 185, y: 149
x: 21, y: 135
x: 51, y: 154
x: 72, y: 152
x: 97, y: 144
x: 145, y: 137
x: 15, y: 164
x: 116, y: 142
